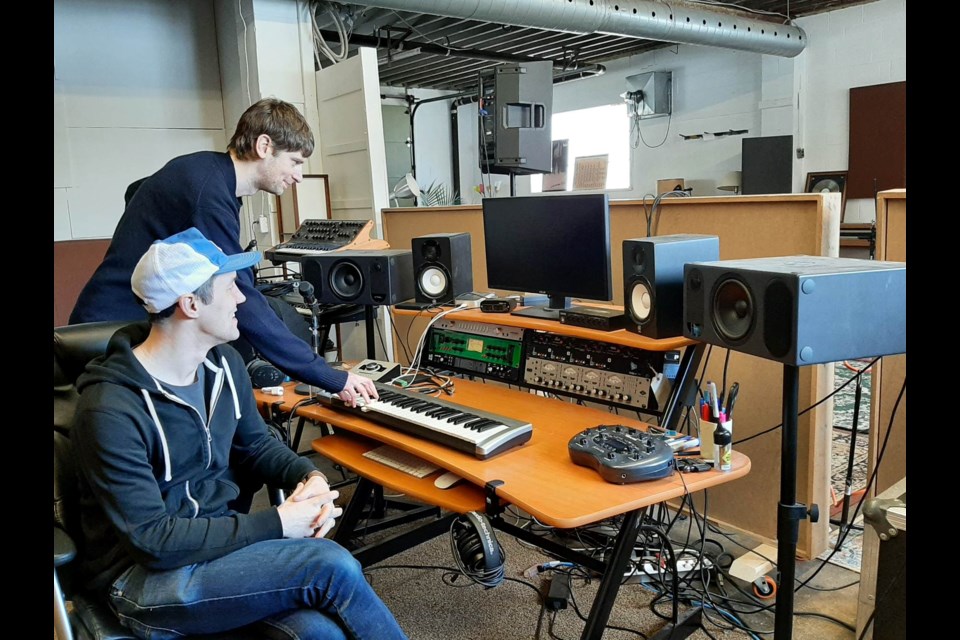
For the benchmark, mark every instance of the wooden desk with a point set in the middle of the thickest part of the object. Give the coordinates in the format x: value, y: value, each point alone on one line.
x: 538, y: 476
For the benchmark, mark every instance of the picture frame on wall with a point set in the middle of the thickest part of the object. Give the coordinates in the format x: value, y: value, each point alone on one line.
x: 308, y: 200
x: 829, y: 182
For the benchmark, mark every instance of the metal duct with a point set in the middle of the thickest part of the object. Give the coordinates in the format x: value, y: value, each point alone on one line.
x: 679, y: 22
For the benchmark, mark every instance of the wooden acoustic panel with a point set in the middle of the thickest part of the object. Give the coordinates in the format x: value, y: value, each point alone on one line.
x: 878, y: 139
x: 748, y: 227
x: 74, y: 261
x: 890, y: 373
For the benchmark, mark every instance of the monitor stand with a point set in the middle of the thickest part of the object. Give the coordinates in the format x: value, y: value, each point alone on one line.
x: 550, y: 311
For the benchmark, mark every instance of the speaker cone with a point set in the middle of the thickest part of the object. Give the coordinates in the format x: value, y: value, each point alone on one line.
x: 433, y: 282
x: 346, y: 280
x: 641, y: 302
x: 733, y: 310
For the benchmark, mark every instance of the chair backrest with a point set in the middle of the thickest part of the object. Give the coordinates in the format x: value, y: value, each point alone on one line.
x: 73, y: 347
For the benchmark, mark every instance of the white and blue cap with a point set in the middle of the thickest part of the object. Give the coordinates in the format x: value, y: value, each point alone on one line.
x: 178, y: 265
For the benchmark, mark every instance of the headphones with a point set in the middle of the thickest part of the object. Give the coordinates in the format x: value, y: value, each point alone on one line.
x: 263, y: 374
x: 476, y: 550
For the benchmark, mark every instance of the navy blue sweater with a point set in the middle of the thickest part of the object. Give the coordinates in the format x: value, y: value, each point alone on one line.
x: 196, y: 190
x: 156, y: 479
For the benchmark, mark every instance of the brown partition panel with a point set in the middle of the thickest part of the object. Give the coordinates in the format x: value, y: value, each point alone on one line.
x: 74, y: 261
x: 890, y: 373
x: 748, y: 227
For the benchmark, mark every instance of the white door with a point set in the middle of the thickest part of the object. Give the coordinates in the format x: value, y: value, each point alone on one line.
x: 355, y: 159
x: 351, y: 138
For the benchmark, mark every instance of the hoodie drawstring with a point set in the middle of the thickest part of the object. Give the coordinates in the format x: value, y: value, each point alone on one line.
x: 233, y: 389
x: 168, y: 473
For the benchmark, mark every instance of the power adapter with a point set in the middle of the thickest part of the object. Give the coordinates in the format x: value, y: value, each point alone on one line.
x: 559, y: 592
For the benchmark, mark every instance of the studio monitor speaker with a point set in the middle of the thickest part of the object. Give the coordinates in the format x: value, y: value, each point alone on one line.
x: 381, y: 277
x: 653, y: 280
x: 798, y: 310
x: 442, y: 267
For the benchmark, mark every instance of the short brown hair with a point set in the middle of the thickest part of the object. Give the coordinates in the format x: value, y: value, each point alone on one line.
x: 204, y: 292
x: 280, y: 120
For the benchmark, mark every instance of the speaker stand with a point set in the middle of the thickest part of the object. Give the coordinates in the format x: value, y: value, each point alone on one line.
x: 368, y: 318
x: 789, y: 513
x: 306, y: 389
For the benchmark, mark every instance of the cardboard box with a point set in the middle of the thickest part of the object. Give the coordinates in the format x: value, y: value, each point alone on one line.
x: 670, y: 184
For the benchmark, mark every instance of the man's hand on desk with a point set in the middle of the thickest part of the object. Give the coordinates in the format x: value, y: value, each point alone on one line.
x: 357, y: 387
x: 309, y: 512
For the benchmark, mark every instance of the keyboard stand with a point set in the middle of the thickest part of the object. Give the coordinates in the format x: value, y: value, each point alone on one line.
x: 347, y: 531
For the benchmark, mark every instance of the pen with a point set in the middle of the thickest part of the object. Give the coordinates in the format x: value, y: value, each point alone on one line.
x: 732, y: 398
x: 713, y: 399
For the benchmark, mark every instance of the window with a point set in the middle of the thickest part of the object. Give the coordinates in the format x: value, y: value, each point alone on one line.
x: 595, y: 131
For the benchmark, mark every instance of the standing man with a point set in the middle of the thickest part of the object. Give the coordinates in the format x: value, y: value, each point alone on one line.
x: 203, y: 190
x: 165, y: 423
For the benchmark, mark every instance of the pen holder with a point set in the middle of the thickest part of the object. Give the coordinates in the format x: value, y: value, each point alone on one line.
x: 706, y: 430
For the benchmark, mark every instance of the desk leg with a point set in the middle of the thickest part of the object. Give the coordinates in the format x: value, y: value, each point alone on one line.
x: 612, y: 577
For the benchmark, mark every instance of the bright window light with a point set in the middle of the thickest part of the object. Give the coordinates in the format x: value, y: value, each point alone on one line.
x: 593, y: 132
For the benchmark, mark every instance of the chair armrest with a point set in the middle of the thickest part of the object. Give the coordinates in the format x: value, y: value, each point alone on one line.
x: 63, y: 548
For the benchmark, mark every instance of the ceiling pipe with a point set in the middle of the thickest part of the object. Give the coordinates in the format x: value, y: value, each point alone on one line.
x: 674, y: 22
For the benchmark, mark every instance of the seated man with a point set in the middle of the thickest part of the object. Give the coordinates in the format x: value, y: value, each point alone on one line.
x: 166, y: 422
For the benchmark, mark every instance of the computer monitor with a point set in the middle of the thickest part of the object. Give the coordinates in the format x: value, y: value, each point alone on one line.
x: 556, y: 245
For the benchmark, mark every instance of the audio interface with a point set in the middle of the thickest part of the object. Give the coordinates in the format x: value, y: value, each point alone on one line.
x: 498, y: 305
x: 594, y: 318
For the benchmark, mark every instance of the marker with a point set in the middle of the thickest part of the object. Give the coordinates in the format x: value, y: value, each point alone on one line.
x: 713, y: 399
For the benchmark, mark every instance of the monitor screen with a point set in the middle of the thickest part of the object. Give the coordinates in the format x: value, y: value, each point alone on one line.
x: 556, y: 245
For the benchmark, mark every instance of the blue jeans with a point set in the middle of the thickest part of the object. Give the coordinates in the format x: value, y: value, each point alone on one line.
x: 306, y: 589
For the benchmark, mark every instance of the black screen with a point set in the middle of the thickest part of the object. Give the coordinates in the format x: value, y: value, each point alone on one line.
x: 557, y: 245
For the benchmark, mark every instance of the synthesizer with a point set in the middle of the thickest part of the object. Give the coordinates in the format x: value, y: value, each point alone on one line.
x: 322, y: 236
x: 479, y: 433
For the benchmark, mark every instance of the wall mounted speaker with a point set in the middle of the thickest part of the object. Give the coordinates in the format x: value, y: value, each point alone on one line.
x: 442, y: 267
x: 381, y: 277
x: 798, y: 310
x: 516, y: 113
x: 653, y: 280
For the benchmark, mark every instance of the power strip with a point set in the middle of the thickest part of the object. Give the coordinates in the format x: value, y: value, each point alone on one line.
x: 648, y: 570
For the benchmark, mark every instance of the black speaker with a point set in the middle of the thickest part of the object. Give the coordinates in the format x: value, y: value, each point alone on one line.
x: 798, y: 310
x: 515, y: 118
x: 442, y: 267
x: 476, y: 549
x: 653, y: 280
x: 382, y: 277
x: 766, y: 165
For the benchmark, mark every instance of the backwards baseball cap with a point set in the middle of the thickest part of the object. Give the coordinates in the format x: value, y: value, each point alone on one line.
x: 178, y: 265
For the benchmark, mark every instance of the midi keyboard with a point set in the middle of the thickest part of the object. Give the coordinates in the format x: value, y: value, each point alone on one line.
x: 479, y: 433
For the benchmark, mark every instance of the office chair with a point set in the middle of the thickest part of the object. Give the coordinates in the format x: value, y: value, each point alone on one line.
x: 90, y: 619
x: 73, y: 347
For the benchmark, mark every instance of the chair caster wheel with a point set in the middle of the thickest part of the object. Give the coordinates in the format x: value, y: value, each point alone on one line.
x: 764, y: 587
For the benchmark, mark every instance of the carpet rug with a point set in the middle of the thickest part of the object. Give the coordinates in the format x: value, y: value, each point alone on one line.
x: 849, y: 554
